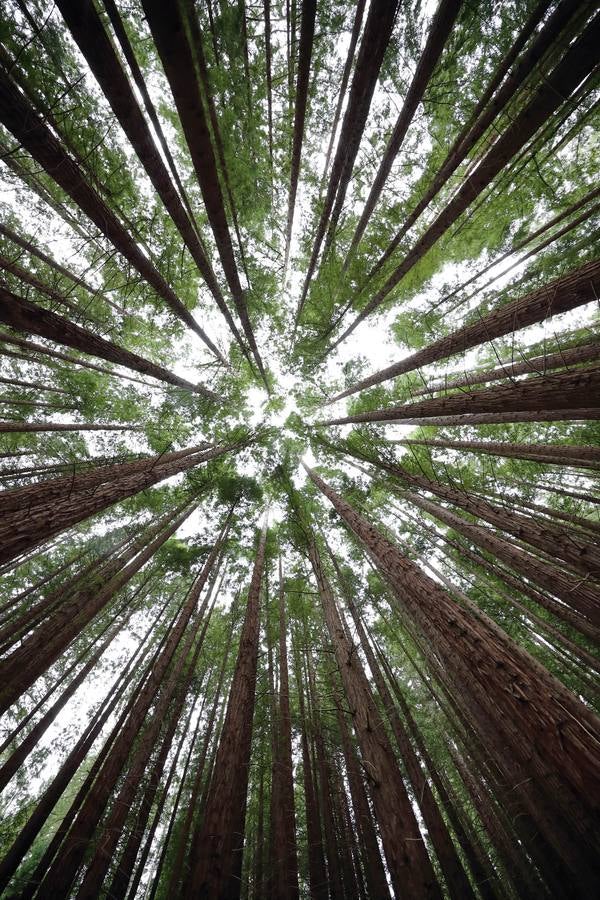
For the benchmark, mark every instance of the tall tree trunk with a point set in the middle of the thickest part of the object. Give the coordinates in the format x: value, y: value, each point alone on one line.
x: 553, y: 454
x: 285, y: 875
x: 23, y: 122
x: 307, y: 31
x: 508, y: 696
x: 216, y: 855
x: 317, y: 873
x: 18, y: 535
x: 409, y: 865
x: 563, y: 294
x: 376, y: 35
x: 88, y: 31
x: 576, y: 64
x: 561, y: 359
x: 439, y: 32
x: 23, y: 315
x: 40, y: 650
x: 63, y: 870
x: 574, y: 390
x: 171, y: 40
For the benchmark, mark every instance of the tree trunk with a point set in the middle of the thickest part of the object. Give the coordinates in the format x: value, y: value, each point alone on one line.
x: 573, y: 391
x: 504, y: 690
x: 563, y: 294
x: 171, y: 39
x: 576, y: 64
x: 23, y: 122
x: 409, y: 865
x: 23, y: 315
x: 18, y: 534
x: 216, y: 855
x: 553, y: 454
x: 376, y: 35
x: 439, y: 32
x: 285, y: 874
x: 64, y: 869
x: 307, y: 31
x: 40, y: 650
x: 561, y: 359
x: 574, y: 592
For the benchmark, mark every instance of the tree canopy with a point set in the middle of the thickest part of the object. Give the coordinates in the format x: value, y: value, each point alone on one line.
x: 299, y: 449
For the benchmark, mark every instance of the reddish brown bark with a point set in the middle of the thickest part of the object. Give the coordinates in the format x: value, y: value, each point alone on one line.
x: 576, y: 64
x: 22, y: 315
x: 561, y: 295
x: 216, y: 855
x: 554, y: 454
x: 574, y: 390
x: 510, y: 698
x: 307, y: 31
x: 410, y: 868
x: 439, y: 32
x: 88, y: 31
x: 63, y: 870
x: 171, y: 40
x: 376, y: 35
x: 18, y: 535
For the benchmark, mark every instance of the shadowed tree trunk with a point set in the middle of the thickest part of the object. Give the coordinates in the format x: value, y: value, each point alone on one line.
x: 561, y: 295
x: 509, y: 696
x: 307, y: 31
x: 22, y: 315
x: 409, y: 865
x: 216, y: 855
x: 554, y: 454
x: 439, y: 32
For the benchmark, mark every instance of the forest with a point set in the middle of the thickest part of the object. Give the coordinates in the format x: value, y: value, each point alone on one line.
x: 299, y: 450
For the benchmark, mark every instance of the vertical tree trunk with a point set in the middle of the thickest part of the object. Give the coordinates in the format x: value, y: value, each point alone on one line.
x: 216, y: 856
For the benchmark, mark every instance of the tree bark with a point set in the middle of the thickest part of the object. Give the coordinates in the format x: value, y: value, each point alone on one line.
x: 27, y: 127
x: 553, y: 454
x: 216, y: 855
x: 409, y: 865
x: 23, y: 315
x: 504, y: 690
x: 576, y: 64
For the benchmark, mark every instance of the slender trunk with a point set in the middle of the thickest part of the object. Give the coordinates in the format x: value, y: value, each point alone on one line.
x: 216, y: 855
x: 26, y: 126
x: 407, y: 859
x: 18, y: 535
x: 34, y: 427
x: 285, y: 875
x: 307, y: 32
x: 576, y: 64
x: 574, y: 390
x: 40, y: 650
x: 54, y: 791
x: 561, y: 359
x: 573, y: 591
x: 506, y: 694
x: 560, y: 542
x: 563, y: 294
x: 373, y: 865
x: 269, y: 77
x: 376, y: 36
x: 23, y: 315
x: 554, y: 454
x: 439, y: 32
x: 173, y: 46
x: 452, y: 870
x: 63, y: 870
x: 88, y: 31
x: 317, y: 874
